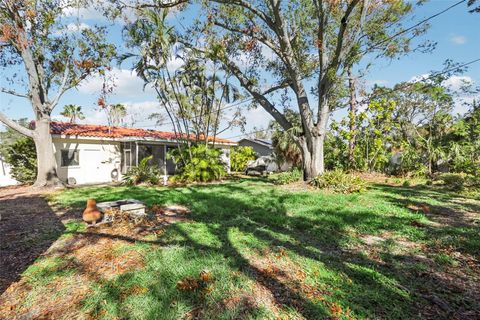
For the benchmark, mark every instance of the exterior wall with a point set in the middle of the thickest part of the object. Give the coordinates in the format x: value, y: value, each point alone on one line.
x: 98, y: 160
x: 5, y: 177
x: 261, y: 150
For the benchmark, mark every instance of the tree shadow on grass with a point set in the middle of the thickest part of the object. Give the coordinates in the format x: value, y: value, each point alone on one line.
x: 456, y: 223
x: 27, y: 228
x: 232, y: 214
x: 372, y: 289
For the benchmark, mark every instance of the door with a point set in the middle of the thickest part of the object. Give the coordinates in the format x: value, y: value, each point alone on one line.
x: 93, y: 167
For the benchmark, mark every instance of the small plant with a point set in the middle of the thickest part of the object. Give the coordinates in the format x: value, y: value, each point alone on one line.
x: 339, y: 181
x: 286, y: 177
x: 239, y: 156
x: 199, y: 163
x: 144, y: 173
x: 406, y: 183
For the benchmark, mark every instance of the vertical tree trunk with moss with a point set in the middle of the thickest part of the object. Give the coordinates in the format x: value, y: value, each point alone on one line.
x: 46, y: 164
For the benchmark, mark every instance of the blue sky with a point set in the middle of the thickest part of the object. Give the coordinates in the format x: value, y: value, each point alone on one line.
x: 456, y: 33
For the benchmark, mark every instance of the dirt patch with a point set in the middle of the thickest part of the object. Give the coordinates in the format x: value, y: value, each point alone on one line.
x: 86, y: 259
x: 281, y: 282
x: 171, y: 213
x: 299, y: 186
x: 28, y: 226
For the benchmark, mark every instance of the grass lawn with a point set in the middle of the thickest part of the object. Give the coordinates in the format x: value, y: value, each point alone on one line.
x: 251, y: 250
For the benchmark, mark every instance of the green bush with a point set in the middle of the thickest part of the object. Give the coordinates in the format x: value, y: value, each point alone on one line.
x: 473, y: 181
x: 339, y: 181
x: 198, y: 163
x: 22, y: 158
x: 454, y: 181
x: 144, y: 173
x: 239, y: 156
x: 286, y: 177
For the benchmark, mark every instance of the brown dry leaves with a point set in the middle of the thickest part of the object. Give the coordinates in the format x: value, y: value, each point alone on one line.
x: 202, y: 282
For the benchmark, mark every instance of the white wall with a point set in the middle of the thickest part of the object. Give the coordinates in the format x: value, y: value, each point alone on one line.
x: 5, y: 177
x: 97, y: 160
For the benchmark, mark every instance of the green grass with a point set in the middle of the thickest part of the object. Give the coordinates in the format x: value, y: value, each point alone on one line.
x: 240, y: 227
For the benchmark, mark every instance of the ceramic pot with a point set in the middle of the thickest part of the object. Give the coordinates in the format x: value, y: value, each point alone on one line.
x: 91, y: 214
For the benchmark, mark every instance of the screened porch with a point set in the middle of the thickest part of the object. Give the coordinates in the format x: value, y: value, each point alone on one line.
x: 134, y: 151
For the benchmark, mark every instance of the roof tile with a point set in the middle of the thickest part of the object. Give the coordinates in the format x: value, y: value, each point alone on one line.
x: 89, y: 130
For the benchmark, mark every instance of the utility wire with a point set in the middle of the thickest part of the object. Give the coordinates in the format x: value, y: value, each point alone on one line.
x: 418, y: 24
x: 372, y: 46
x: 405, y: 86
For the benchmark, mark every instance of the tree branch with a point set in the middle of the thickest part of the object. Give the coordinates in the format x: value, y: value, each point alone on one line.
x: 15, y: 126
x: 246, y: 5
x: 62, y: 88
x: 262, y: 38
x: 14, y: 93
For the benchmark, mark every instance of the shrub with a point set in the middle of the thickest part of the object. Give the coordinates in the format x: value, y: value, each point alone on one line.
x: 454, y: 181
x: 239, y: 156
x: 198, y: 164
x: 286, y: 177
x: 339, y: 181
x: 22, y: 158
x: 472, y: 181
x: 144, y: 173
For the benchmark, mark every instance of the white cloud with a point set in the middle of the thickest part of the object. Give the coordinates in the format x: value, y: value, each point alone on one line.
x: 419, y: 77
x: 126, y: 82
x: 88, y: 13
x: 72, y: 28
x: 137, y: 114
x: 458, y: 39
x: 457, y: 82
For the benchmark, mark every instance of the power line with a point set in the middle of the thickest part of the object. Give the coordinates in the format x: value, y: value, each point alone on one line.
x: 213, y: 111
x: 418, y: 23
x: 374, y: 45
x: 408, y: 84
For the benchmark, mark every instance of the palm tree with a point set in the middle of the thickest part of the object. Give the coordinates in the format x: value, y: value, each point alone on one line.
x: 116, y: 113
x: 283, y: 142
x: 73, y: 112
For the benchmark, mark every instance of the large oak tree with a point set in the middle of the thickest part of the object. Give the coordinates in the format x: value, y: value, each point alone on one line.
x: 304, y: 47
x: 44, y: 54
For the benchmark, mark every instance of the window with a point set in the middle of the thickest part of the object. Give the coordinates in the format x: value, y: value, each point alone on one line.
x: 70, y: 158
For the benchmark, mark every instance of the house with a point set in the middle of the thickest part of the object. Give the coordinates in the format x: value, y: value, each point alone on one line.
x: 87, y: 154
x: 260, y: 146
x: 5, y: 178
x: 264, y: 148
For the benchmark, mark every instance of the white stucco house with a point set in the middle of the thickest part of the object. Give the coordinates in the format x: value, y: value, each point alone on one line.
x: 5, y: 177
x: 89, y: 154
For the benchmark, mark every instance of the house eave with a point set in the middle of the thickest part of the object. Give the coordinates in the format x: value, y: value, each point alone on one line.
x: 132, y: 139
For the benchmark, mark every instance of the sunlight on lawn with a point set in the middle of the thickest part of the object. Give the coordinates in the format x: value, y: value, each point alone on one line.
x: 270, y: 253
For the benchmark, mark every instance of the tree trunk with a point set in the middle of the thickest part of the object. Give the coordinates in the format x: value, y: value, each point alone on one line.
x: 46, y: 164
x: 312, y: 157
x: 352, y: 115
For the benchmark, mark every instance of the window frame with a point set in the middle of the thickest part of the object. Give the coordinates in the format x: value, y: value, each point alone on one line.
x: 67, y: 151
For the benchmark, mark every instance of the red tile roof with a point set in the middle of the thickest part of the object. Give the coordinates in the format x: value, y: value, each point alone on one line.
x: 89, y: 130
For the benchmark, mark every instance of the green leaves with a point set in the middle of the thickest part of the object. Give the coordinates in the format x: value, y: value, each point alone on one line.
x: 22, y: 158
x: 239, y: 156
x: 198, y: 163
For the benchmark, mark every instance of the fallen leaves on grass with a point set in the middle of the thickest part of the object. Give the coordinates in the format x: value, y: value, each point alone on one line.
x: 422, y: 207
x: 193, y: 283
